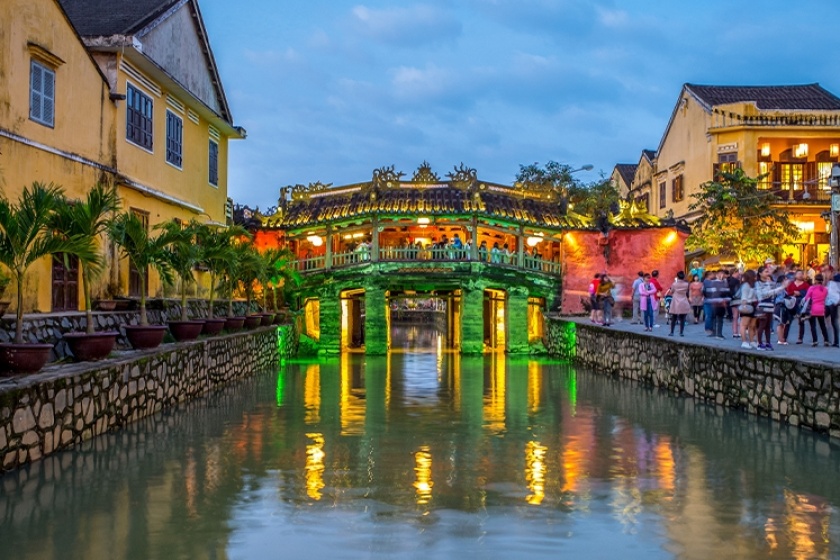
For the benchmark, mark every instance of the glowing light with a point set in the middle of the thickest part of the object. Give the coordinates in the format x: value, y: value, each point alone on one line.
x: 765, y: 149
x: 315, y: 466
x: 671, y: 238
x: 312, y: 394
x: 316, y: 240
x: 535, y: 468
x: 800, y: 150
x: 423, y: 475
x: 533, y: 241
x: 423, y: 220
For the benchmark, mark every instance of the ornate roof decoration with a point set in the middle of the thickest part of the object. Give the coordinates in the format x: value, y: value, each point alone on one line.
x: 424, y: 174
x: 386, y: 177
x: 463, y: 178
x: 389, y: 195
x: 633, y: 214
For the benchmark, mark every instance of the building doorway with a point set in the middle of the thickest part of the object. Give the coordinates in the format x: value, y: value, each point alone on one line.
x: 424, y: 320
x: 65, y: 283
x: 352, y: 319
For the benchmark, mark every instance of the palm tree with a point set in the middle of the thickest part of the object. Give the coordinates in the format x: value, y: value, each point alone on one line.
x: 88, y: 220
x: 217, y: 254
x: 143, y: 250
x: 251, y: 271
x: 27, y: 235
x: 280, y: 273
x: 185, y: 254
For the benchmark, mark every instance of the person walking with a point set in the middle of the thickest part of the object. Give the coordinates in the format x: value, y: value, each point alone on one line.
x: 648, y: 301
x: 832, y: 301
x: 605, y: 298
x: 734, y: 282
x: 718, y: 295
x: 680, y: 306
x: 817, y: 294
x: 593, y: 298
x: 637, y: 312
x: 766, y: 291
x: 798, y: 288
x: 654, y: 279
x: 707, y: 302
x: 695, y: 297
x: 747, y: 310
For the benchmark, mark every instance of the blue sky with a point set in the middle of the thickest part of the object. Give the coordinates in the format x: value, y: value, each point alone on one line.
x: 330, y: 90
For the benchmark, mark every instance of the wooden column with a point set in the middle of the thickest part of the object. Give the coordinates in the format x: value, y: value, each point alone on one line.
x: 374, y: 242
x: 520, y: 247
x: 329, y: 248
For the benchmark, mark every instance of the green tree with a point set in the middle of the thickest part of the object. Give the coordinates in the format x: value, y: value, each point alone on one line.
x: 587, y: 199
x: 739, y: 219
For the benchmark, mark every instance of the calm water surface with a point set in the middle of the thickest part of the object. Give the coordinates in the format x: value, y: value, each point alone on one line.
x: 431, y: 455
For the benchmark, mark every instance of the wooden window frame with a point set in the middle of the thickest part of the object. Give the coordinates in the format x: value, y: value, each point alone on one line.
x: 139, y: 118
x: 41, y: 97
x: 174, y: 140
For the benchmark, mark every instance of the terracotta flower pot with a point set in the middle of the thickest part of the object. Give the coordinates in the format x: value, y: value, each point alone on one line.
x: 213, y: 326
x: 23, y: 358
x: 143, y: 337
x: 90, y: 347
x: 233, y: 324
x: 185, y: 330
x: 267, y: 319
x: 106, y: 304
x: 253, y: 321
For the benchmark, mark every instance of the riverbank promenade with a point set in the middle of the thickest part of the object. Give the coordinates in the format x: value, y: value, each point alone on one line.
x: 696, y: 334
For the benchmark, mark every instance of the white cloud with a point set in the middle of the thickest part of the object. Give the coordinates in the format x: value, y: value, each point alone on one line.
x: 411, y: 26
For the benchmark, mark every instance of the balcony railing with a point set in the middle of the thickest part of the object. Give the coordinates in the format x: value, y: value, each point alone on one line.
x: 803, y: 196
x: 411, y: 255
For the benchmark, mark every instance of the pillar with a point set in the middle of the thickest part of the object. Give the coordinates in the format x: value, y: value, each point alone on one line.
x: 472, y: 321
x: 517, y: 321
x: 330, y: 323
x: 376, y: 321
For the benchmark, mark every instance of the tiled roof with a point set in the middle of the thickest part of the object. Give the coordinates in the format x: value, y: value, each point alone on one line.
x: 627, y: 172
x: 442, y: 200
x: 649, y: 154
x: 807, y: 97
x: 95, y: 18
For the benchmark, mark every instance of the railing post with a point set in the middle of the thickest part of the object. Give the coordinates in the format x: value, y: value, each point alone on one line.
x: 328, y: 251
x: 520, y: 248
x: 374, y: 242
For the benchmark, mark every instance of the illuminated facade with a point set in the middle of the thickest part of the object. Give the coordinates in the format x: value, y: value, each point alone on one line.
x: 494, y: 256
x: 114, y: 92
x: 788, y: 135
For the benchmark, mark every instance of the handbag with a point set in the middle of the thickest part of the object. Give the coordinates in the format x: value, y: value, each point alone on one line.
x: 766, y: 306
x: 746, y: 308
x: 805, y: 308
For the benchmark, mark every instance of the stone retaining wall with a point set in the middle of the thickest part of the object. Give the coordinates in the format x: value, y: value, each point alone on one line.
x: 786, y: 390
x: 70, y: 403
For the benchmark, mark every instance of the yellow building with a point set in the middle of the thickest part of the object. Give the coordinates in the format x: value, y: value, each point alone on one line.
x: 634, y: 180
x: 118, y: 91
x: 789, y: 134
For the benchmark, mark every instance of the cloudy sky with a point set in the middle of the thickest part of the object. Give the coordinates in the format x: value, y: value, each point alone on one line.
x: 329, y: 90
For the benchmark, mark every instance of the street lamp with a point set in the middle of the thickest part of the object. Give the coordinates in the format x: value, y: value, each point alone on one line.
x: 587, y: 167
x: 834, y: 183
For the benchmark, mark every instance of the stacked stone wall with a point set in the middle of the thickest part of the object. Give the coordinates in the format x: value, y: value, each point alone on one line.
x: 787, y: 390
x: 68, y: 404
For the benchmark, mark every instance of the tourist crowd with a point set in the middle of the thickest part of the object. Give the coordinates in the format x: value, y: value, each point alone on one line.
x: 767, y: 302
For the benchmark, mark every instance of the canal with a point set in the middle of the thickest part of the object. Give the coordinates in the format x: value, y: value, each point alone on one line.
x: 426, y: 454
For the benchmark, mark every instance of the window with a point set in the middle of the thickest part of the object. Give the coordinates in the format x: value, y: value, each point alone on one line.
x: 677, y: 190
x: 823, y: 174
x: 792, y: 175
x: 174, y: 139
x: 41, y: 94
x: 214, y: 164
x: 764, y: 174
x: 663, y: 197
x: 645, y: 201
x: 138, y: 118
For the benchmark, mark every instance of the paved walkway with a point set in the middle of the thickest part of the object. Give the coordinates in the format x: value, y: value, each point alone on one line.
x: 696, y: 334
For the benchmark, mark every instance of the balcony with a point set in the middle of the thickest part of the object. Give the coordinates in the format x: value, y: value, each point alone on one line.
x: 811, y: 195
x: 420, y: 259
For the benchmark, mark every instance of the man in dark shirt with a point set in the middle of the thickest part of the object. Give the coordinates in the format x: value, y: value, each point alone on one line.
x: 717, y: 294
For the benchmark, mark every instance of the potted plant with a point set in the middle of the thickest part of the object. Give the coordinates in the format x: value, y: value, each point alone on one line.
x: 249, y: 271
x: 144, y: 252
x: 26, y: 236
x: 217, y: 255
x: 184, y: 254
x: 88, y: 220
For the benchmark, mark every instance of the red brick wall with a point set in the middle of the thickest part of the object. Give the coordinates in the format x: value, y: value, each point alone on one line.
x: 630, y: 251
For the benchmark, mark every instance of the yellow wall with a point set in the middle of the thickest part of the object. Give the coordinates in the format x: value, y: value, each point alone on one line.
x: 88, y: 141
x: 84, y: 117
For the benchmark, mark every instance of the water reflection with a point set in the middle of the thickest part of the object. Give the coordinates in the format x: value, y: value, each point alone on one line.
x: 432, y: 455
